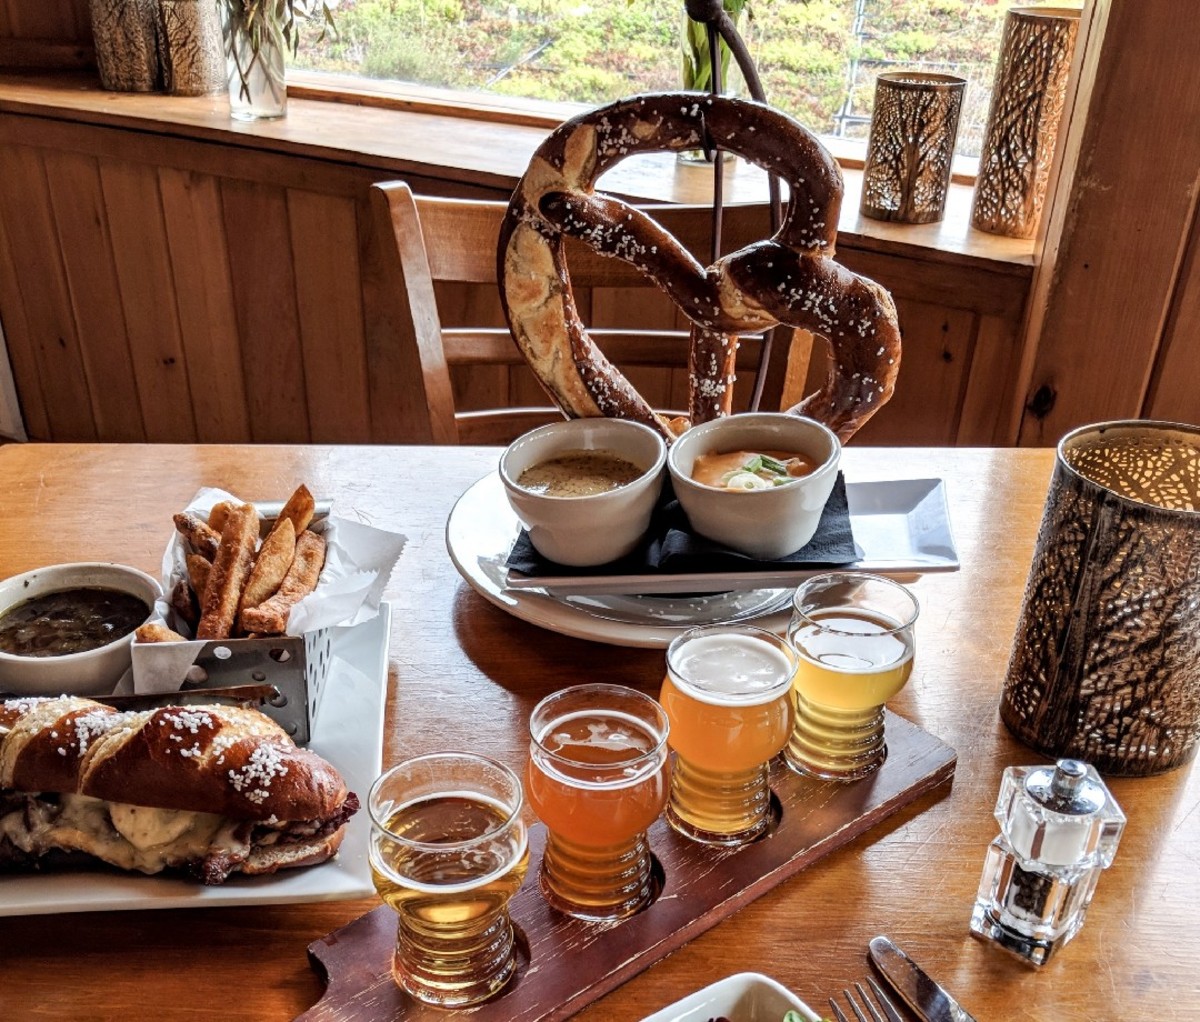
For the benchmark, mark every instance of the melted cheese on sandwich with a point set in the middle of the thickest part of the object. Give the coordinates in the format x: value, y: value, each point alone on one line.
x: 132, y: 837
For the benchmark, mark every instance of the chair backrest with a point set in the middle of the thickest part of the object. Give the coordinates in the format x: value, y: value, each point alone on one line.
x: 437, y: 252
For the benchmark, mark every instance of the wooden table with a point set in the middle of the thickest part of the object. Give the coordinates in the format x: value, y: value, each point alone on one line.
x: 465, y: 674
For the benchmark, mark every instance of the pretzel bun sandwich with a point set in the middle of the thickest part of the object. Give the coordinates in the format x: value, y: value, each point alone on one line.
x: 207, y: 791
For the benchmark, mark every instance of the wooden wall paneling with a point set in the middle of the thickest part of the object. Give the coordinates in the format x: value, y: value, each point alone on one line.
x: 203, y: 288
x: 82, y: 219
x: 264, y: 289
x: 936, y: 363
x: 1175, y: 391
x: 1120, y: 229
x: 56, y: 20
x: 19, y: 339
x: 45, y: 34
x: 991, y: 385
x: 142, y: 257
x: 34, y: 250
x: 324, y: 234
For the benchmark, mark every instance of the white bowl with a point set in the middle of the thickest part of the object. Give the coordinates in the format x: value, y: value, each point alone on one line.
x: 595, y: 529
x: 744, y: 997
x: 92, y: 672
x: 767, y: 524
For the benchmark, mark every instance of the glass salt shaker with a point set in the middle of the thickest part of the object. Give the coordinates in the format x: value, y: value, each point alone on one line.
x: 1059, y: 828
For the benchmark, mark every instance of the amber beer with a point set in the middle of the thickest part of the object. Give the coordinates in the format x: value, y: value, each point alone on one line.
x: 448, y: 851
x: 854, y: 636
x: 726, y: 697
x: 597, y: 778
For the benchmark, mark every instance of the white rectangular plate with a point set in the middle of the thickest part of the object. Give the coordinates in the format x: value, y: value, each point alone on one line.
x: 902, y: 527
x: 348, y: 732
x: 745, y: 997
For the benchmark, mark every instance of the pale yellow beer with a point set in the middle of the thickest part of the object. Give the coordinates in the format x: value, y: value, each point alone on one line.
x: 448, y: 851
x: 854, y: 636
x: 726, y: 694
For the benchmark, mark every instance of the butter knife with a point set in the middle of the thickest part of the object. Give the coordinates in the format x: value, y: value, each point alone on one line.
x: 925, y: 997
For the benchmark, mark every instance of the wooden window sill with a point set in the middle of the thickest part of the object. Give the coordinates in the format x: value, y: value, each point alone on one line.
x: 483, y: 153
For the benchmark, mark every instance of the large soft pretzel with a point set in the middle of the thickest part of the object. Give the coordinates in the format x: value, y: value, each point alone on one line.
x: 790, y: 278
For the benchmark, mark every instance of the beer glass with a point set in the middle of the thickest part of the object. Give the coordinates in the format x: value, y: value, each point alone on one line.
x: 597, y: 778
x: 726, y: 698
x: 853, y: 633
x: 448, y: 850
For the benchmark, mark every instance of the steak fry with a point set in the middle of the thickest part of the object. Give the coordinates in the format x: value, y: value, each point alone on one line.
x: 203, y: 540
x: 271, y: 616
x: 228, y: 576
x: 271, y: 566
x: 298, y: 510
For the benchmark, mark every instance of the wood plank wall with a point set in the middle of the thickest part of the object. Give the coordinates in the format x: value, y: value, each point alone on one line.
x: 1114, y: 320
x: 45, y: 33
x: 156, y: 290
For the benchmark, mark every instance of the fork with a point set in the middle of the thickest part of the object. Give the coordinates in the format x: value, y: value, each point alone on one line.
x: 867, y: 1012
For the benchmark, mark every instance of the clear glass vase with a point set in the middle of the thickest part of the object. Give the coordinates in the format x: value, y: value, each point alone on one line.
x: 696, y: 68
x: 257, y: 66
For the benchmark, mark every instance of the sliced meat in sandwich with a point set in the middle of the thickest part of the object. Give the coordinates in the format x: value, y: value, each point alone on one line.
x: 204, y: 790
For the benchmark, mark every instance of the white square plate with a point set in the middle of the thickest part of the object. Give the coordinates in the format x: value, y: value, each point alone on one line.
x: 745, y: 997
x: 348, y: 732
x: 902, y: 526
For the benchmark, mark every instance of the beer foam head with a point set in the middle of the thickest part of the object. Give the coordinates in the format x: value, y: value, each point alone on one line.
x: 731, y: 667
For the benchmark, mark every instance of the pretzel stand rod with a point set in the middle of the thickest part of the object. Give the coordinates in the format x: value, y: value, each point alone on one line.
x: 718, y: 23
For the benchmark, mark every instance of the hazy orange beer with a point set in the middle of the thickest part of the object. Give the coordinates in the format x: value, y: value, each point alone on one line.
x: 448, y: 850
x: 855, y: 638
x: 597, y: 778
x: 726, y: 695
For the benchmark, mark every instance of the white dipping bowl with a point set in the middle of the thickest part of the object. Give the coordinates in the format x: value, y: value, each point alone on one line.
x: 766, y: 524
x: 92, y: 672
x: 586, y: 531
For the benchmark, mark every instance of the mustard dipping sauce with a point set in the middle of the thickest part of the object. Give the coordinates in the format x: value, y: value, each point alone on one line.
x: 579, y: 473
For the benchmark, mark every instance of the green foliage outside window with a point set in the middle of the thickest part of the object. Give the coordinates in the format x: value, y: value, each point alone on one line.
x: 812, y: 62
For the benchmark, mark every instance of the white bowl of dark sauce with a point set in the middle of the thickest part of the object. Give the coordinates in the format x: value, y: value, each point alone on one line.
x: 585, y: 488
x: 68, y: 628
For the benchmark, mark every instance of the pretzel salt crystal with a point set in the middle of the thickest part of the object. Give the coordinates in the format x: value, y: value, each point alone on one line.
x: 790, y: 278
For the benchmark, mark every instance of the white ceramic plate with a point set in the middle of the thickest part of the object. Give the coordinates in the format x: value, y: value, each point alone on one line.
x: 348, y: 732
x: 746, y: 997
x: 902, y: 527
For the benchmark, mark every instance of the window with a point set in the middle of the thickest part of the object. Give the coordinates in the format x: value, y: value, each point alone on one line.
x: 817, y: 58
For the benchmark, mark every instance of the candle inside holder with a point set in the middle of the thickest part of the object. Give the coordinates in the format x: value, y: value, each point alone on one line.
x: 914, y: 126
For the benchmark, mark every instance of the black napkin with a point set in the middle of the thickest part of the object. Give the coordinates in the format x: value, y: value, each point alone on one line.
x: 670, y: 547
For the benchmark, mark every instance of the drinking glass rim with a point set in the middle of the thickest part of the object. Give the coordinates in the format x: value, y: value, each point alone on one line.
x: 737, y: 699
x: 513, y: 814
x: 890, y: 583
x: 624, y: 691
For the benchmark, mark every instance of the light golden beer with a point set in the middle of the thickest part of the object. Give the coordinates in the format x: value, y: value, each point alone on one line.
x: 448, y: 862
x: 726, y: 695
x: 854, y: 636
x: 597, y: 778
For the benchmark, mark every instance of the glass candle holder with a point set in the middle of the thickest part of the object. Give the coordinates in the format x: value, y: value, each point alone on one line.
x: 448, y: 851
x: 726, y: 696
x: 597, y: 778
x: 853, y: 633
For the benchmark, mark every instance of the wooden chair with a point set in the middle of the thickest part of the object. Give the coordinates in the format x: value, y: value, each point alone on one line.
x: 429, y: 247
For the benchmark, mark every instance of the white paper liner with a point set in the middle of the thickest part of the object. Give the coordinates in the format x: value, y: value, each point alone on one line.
x: 358, y: 564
